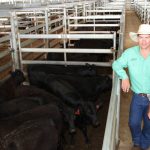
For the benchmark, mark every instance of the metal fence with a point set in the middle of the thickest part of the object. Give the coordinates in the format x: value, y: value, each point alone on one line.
x: 44, y: 29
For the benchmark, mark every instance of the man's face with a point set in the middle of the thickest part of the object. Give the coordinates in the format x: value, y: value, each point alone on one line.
x: 144, y: 41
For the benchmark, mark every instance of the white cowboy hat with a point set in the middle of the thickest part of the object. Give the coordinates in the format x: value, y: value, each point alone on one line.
x: 143, y: 29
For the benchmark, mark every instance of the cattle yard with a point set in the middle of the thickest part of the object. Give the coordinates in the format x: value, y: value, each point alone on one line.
x: 50, y: 41
x: 34, y: 32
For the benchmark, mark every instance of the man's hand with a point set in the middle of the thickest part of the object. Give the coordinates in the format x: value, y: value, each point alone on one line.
x: 148, y: 112
x: 125, y: 85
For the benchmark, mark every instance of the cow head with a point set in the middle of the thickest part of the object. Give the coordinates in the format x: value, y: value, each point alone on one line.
x: 88, y: 110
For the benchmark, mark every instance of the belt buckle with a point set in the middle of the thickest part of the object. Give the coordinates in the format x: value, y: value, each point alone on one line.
x: 148, y: 96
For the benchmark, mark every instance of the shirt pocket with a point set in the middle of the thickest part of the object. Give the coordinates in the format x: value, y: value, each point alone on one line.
x: 135, y: 67
x: 146, y: 69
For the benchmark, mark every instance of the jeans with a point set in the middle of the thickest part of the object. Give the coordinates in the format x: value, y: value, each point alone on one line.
x: 138, y: 113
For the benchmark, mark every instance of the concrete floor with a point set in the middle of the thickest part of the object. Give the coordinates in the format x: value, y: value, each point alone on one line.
x: 132, y: 24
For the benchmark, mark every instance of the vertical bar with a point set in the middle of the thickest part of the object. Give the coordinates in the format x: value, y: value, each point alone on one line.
x: 14, y: 30
x: 46, y: 26
x: 65, y: 32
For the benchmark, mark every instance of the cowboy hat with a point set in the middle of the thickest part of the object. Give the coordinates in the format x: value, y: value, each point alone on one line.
x: 143, y: 29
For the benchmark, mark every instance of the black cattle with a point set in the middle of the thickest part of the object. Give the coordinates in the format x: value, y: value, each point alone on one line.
x: 19, y: 105
x: 73, y: 57
x: 38, y: 134
x: 87, y: 70
x: 85, y: 43
x: 43, y: 97
x: 69, y: 95
x: 9, y: 127
x: 85, y: 116
x: 55, y: 56
x: 90, y: 88
x: 57, y: 86
x: 63, y: 90
x: 48, y: 98
x: 92, y: 44
x: 33, y: 91
x: 96, y: 43
x: 50, y: 111
x: 7, y: 88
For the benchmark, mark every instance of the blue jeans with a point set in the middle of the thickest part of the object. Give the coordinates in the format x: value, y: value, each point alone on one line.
x: 138, y: 113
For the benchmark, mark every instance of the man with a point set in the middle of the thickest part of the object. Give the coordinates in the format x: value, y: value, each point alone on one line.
x: 137, y: 60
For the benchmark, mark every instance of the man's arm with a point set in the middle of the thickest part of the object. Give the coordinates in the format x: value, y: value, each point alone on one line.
x: 118, y: 66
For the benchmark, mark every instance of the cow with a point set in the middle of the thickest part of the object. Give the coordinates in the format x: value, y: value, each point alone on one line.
x: 69, y: 95
x: 19, y: 105
x: 33, y: 91
x: 38, y: 134
x: 86, y: 93
x: 59, y: 87
x: 63, y: 90
x: 85, y: 116
x: 47, y: 98
x: 10, y: 126
x: 26, y: 97
x: 89, y: 87
x: 87, y: 70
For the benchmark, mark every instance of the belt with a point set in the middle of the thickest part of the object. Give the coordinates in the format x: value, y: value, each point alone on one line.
x: 143, y: 95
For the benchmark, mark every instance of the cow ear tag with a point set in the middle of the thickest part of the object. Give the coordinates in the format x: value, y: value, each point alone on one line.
x: 77, y: 112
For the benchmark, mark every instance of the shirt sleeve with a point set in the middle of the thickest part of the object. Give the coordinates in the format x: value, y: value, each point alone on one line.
x: 120, y: 64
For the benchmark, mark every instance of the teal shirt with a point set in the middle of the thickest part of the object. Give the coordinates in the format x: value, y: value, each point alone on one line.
x: 138, y: 67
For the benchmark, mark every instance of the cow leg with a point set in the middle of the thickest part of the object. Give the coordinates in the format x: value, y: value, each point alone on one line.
x: 61, y: 142
x: 72, y: 138
x: 81, y: 124
x: 70, y: 117
x: 84, y: 131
